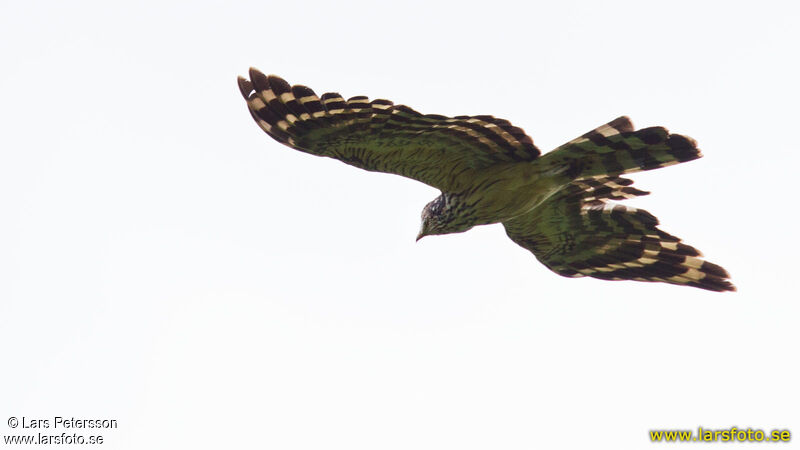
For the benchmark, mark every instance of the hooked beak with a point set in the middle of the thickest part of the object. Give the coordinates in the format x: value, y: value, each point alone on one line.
x: 422, y: 232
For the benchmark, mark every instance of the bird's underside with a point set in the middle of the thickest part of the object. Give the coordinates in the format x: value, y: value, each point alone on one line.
x: 560, y: 206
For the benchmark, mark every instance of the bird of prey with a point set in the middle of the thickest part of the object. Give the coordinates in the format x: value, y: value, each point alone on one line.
x: 560, y: 205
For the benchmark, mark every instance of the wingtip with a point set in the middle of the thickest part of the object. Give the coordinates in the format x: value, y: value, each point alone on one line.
x: 278, y: 84
x: 623, y: 124
x: 719, y: 286
x: 683, y: 147
x: 259, y: 80
x: 245, y: 87
x: 253, y: 72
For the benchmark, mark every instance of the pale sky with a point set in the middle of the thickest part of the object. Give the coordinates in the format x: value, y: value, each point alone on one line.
x: 166, y: 264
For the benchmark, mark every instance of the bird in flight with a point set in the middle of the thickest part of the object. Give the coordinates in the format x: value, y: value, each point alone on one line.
x: 560, y: 205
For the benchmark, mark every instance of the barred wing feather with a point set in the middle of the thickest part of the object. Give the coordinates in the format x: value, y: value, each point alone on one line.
x: 579, y: 232
x: 380, y: 136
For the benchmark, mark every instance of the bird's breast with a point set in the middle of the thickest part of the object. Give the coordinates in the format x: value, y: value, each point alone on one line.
x: 509, y: 191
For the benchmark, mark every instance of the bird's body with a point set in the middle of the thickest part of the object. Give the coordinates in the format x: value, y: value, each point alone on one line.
x: 508, y: 191
x: 557, y: 205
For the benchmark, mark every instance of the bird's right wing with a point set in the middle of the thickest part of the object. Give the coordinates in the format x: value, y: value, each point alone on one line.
x: 578, y: 232
x: 380, y: 136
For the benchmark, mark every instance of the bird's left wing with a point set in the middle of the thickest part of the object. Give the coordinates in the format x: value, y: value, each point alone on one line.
x: 579, y: 232
x: 379, y: 136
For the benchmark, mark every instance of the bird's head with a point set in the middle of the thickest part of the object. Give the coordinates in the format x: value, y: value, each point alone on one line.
x: 439, y: 217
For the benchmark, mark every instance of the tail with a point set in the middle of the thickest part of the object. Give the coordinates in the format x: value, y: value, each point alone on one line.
x: 615, y: 148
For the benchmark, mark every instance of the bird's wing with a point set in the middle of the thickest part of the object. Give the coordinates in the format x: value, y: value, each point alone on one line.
x: 380, y: 136
x: 579, y: 232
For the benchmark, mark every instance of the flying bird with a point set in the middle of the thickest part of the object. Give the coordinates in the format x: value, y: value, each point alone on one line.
x: 560, y: 205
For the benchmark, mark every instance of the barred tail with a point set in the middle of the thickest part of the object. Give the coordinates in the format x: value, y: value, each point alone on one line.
x: 615, y: 148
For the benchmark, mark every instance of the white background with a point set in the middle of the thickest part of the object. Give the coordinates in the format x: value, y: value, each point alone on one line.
x: 164, y: 263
